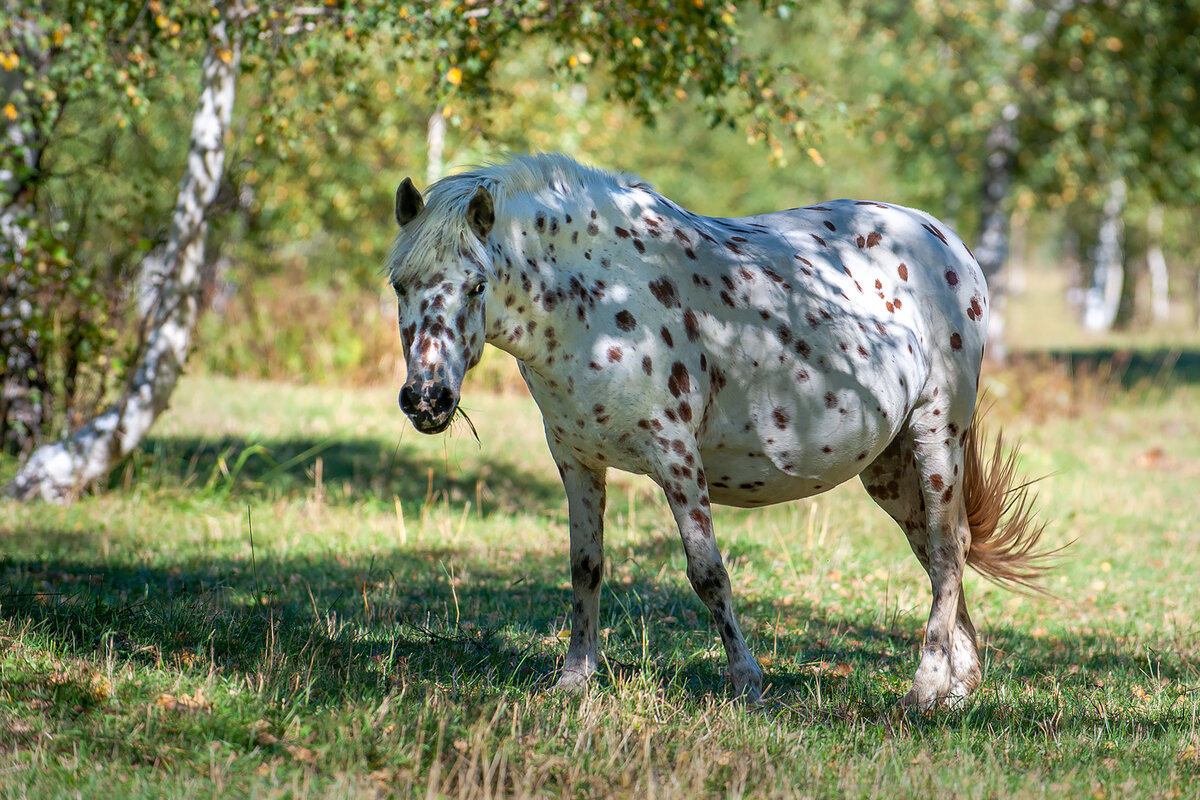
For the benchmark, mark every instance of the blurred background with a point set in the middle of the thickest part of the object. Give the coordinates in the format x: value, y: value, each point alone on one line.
x: 1060, y: 139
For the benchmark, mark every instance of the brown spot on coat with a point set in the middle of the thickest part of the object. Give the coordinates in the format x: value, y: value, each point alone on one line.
x: 680, y: 380
x: 665, y: 292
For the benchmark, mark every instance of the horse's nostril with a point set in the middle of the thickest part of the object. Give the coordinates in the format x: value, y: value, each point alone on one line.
x: 443, y: 399
x: 408, y: 400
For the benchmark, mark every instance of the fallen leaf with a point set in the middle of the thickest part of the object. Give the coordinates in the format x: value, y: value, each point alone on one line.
x: 301, y: 753
x: 187, y: 703
x: 266, y: 739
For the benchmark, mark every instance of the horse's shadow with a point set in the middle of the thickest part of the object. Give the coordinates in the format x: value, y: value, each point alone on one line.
x: 329, y: 630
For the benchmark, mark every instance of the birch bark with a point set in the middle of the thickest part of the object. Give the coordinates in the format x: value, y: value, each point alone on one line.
x: 1102, y: 300
x: 1160, y: 296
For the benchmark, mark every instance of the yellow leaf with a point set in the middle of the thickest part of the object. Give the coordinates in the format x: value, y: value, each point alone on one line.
x: 10, y: 111
x: 637, y: 42
x: 454, y: 76
x: 225, y: 54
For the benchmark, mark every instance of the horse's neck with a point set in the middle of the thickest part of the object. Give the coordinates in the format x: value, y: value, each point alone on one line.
x: 543, y: 277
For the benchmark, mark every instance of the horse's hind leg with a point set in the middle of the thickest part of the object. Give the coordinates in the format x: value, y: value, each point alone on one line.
x: 919, y: 487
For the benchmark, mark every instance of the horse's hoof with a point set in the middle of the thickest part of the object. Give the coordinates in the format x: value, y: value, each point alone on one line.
x: 571, y: 682
x: 913, y: 700
x: 751, y: 695
x: 930, y: 703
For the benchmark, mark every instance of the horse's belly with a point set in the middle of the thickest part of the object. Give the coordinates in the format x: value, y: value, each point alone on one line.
x: 747, y: 480
x: 769, y: 438
x: 749, y: 471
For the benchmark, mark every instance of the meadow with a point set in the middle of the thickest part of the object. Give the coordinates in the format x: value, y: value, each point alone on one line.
x: 290, y: 593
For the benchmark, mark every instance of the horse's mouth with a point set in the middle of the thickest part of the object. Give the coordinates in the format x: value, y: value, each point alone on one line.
x: 432, y: 426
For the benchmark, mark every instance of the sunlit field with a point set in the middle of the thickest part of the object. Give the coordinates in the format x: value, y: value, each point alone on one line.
x: 289, y: 593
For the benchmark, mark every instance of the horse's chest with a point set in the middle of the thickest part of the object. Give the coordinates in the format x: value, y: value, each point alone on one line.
x: 597, y: 425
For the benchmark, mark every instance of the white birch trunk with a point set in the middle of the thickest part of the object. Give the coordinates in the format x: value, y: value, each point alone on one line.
x: 1102, y: 299
x: 993, y: 244
x: 58, y: 471
x: 992, y: 249
x: 435, y: 146
x: 1160, y: 298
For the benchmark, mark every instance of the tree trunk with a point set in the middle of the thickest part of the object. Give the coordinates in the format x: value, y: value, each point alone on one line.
x: 58, y: 471
x: 1160, y: 298
x: 1102, y: 300
x: 435, y: 146
x: 992, y: 248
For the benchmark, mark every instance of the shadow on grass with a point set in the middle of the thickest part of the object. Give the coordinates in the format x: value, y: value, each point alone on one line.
x: 241, y: 467
x: 324, y: 631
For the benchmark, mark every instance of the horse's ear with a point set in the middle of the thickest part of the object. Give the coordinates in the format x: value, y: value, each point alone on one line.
x: 408, y: 202
x: 481, y: 215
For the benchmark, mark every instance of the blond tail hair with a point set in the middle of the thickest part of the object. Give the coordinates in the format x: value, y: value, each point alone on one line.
x: 1005, y: 532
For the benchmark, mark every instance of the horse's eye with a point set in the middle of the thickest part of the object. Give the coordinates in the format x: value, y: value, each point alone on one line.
x: 399, y: 290
x: 477, y: 289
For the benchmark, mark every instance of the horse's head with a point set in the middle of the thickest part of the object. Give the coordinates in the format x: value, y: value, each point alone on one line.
x: 439, y: 268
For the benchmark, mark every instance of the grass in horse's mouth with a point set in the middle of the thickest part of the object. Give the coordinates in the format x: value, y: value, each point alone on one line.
x: 458, y: 412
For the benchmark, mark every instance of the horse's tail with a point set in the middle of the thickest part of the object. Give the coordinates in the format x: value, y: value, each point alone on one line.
x: 1005, y: 532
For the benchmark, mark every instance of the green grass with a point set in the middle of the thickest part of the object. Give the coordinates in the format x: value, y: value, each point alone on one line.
x: 289, y: 593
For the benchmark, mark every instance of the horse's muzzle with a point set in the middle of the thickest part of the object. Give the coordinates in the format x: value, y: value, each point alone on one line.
x: 429, y: 404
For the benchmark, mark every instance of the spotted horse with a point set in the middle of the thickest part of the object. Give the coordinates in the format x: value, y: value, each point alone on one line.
x: 739, y: 361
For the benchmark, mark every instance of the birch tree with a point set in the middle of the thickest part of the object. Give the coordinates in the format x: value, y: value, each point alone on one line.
x: 59, y: 470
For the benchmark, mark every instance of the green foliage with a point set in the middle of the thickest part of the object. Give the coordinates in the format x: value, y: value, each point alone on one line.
x: 1101, y: 89
x: 72, y: 235
x: 1113, y: 90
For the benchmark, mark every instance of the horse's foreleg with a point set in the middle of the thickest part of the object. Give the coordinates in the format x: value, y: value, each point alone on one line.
x: 585, y: 508
x: 687, y: 495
